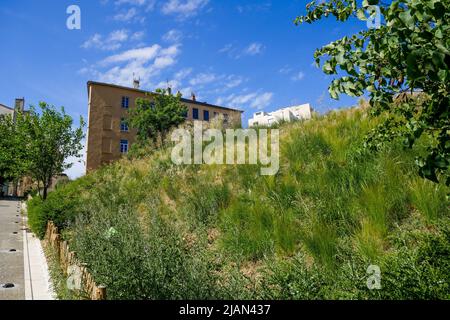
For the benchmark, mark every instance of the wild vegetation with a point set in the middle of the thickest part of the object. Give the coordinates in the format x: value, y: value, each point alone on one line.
x: 149, y: 229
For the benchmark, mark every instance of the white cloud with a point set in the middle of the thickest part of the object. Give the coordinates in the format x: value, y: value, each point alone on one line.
x: 226, y: 48
x: 163, y: 62
x: 145, y: 63
x: 118, y: 35
x: 176, y: 86
x: 183, y: 73
x: 126, y: 15
x: 262, y: 100
x: 94, y: 41
x: 204, y: 84
x: 112, y: 42
x: 141, y: 54
x: 149, y: 4
x: 254, y: 49
x: 184, y: 8
x: 138, y: 35
x: 254, y: 100
x: 285, y: 70
x: 203, y: 78
x: 132, y: 10
x: 131, y: 2
x: 216, y: 83
x: 173, y: 36
x: 298, y: 76
x: 233, y: 81
x: 254, y: 7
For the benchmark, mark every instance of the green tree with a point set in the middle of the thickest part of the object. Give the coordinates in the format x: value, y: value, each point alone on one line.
x: 51, y: 139
x: 403, y: 65
x: 14, y: 161
x: 155, y: 115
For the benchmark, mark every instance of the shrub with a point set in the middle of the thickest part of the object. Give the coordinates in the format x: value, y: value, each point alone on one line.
x: 419, y: 270
x: 61, y: 206
x: 142, y: 261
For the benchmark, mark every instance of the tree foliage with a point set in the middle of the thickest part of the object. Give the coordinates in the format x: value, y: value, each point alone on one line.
x: 38, y: 144
x: 51, y: 140
x: 14, y: 161
x: 403, y: 65
x: 154, y: 116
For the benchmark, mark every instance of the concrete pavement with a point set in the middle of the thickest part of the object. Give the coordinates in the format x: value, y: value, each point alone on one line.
x: 23, y: 267
x: 37, y: 279
x: 12, y: 280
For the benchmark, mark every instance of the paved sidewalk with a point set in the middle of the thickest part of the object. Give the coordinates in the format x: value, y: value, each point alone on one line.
x: 37, y: 279
x: 23, y: 267
x: 12, y: 281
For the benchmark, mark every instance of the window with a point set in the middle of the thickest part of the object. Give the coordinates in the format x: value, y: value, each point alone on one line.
x: 123, y: 125
x: 195, y: 113
x: 185, y: 113
x: 125, y: 102
x: 215, y: 115
x: 123, y: 146
x: 225, y: 118
x: 206, y: 115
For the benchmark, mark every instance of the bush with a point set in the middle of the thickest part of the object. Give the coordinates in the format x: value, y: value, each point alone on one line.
x: 61, y: 206
x: 419, y: 270
x: 142, y: 260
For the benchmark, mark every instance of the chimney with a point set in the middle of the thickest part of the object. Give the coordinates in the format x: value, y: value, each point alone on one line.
x: 136, y: 83
x: 193, y: 97
x: 19, y: 104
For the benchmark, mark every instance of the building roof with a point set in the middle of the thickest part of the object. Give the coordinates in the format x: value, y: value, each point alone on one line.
x: 4, y: 106
x: 145, y: 91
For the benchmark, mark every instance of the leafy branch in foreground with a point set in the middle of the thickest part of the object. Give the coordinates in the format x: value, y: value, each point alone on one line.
x: 404, y: 65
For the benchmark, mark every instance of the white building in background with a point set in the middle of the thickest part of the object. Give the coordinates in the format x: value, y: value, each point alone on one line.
x: 288, y: 114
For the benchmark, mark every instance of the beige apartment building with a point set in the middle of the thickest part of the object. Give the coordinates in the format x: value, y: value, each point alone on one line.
x: 109, y: 137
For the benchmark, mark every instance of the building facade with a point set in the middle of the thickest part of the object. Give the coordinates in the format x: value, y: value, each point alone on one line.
x: 108, y: 136
x: 4, y: 110
x: 288, y: 114
x: 19, y: 106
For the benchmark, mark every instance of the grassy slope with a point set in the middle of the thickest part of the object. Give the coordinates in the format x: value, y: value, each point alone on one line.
x: 150, y: 229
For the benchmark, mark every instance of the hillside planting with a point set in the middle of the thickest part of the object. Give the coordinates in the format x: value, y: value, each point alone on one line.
x: 149, y: 229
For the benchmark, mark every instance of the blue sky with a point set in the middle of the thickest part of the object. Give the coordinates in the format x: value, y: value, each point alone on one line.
x: 242, y: 54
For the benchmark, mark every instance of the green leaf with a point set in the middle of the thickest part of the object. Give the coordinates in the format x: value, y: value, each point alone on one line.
x: 361, y: 15
x: 406, y: 18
